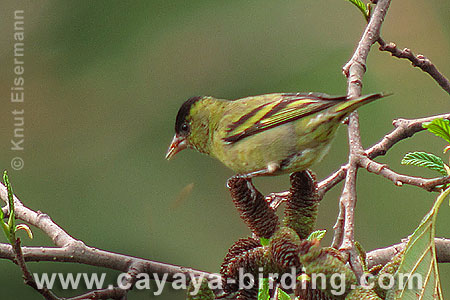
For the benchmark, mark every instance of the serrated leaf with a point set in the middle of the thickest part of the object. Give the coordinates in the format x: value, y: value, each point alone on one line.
x: 426, y: 160
x: 419, y: 261
x: 263, y: 290
x: 440, y: 127
x: 282, y: 295
x: 318, y: 235
x: 202, y: 292
x: 362, y: 8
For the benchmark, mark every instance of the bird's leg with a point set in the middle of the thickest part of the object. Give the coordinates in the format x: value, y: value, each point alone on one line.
x: 270, y: 170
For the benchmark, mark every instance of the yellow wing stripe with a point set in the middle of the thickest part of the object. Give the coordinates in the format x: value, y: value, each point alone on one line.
x: 254, y: 118
x: 269, y: 115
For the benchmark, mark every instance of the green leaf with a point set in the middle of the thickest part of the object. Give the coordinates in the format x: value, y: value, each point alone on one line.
x: 318, y: 235
x: 5, y: 228
x: 263, y: 290
x: 264, y: 241
x: 10, y: 227
x: 426, y: 160
x: 282, y: 295
x: 440, y: 127
x: 362, y: 8
x: 419, y: 261
x: 203, y: 293
x: 362, y: 255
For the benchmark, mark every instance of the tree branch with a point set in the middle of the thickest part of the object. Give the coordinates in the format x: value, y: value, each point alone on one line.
x: 28, y: 278
x: 72, y: 250
x: 399, y: 179
x: 384, y: 255
x: 403, y: 129
x: 419, y: 61
x: 354, y: 71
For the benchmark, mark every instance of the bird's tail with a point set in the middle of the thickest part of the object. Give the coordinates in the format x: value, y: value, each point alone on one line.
x: 346, y: 107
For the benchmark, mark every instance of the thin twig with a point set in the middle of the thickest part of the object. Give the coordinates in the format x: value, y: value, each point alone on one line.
x: 403, y: 129
x: 115, y: 292
x: 27, y: 277
x: 399, y: 179
x: 326, y: 184
x: 384, y: 255
x: 419, y: 61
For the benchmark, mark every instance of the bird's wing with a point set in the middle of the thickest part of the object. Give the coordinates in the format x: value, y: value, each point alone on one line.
x: 285, y: 109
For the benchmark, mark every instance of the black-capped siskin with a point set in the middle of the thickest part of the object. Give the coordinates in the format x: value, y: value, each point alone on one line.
x: 263, y: 135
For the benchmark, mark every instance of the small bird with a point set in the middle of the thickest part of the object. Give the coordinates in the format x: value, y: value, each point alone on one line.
x: 262, y: 135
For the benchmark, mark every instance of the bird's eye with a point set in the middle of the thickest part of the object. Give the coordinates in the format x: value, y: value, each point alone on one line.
x: 185, y: 127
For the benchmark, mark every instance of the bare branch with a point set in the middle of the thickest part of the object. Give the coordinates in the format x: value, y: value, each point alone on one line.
x: 384, y: 255
x: 354, y: 71
x: 72, y: 250
x: 356, y: 66
x: 114, y: 293
x: 27, y: 277
x: 40, y: 220
x: 118, y: 293
x: 419, y: 61
x: 99, y: 258
x: 344, y: 228
x: 339, y: 227
x: 326, y: 184
x: 403, y: 129
x: 399, y: 179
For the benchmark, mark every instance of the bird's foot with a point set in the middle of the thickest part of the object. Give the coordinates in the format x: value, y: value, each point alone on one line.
x: 270, y: 170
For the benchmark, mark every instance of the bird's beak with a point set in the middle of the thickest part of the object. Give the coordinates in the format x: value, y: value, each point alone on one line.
x: 178, y: 143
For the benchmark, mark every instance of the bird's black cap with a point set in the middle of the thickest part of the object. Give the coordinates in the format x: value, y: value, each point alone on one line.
x: 183, y: 112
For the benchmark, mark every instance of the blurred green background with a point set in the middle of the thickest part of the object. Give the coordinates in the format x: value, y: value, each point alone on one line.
x: 104, y: 81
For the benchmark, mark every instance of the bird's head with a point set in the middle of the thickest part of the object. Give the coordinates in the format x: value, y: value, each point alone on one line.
x: 191, y: 127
